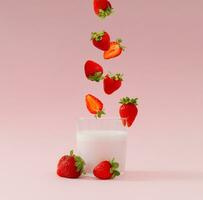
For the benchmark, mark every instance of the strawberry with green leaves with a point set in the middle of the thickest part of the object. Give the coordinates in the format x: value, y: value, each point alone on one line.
x: 106, y: 170
x: 115, y: 49
x: 94, y: 105
x: 128, y: 110
x: 70, y: 166
x: 112, y: 82
x: 101, y: 40
x: 93, y: 71
x: 102, y: 8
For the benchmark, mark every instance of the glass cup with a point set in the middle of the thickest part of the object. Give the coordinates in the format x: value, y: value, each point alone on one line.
x: 101, y: 139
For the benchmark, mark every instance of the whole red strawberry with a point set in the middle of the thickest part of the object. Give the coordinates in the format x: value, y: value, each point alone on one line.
x: 128, y: 111
x: 93, y: 71
x: 70, y: 166
x: 101, y: 40
x: 111, y: 83
x: 106, y: 170
x: 102, y: 8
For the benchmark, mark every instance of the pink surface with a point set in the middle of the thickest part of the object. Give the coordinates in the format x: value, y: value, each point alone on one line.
x: 43, y: 45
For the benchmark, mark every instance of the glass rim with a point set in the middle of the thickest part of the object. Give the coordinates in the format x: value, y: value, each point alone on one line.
x: 102, y: 119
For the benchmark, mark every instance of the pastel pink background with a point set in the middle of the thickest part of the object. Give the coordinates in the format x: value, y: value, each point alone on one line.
x: 43, y: 46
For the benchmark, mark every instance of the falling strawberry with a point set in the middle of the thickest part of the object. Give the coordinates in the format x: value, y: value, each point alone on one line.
x: 112, y: 83
x: 128, y: 111
x: 102, y: 8
x: 94, y: 105
x: 115, y: 49
x: 93, y: 71
x: 101, y: 40
x: 70, y: 166
x: 106, y: 170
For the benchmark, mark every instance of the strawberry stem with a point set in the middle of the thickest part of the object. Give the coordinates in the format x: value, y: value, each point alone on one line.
x: 99, y: 114
x: 114, y: 168
x: 96, y: 77
x: 71, y: 153
x: 79, y: 163
x: 117, y: 77
x: 104, y: 13
x: 97, y: 36
x: 119, y: 41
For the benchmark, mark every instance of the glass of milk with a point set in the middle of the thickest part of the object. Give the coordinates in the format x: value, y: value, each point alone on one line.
x: 101, y: 139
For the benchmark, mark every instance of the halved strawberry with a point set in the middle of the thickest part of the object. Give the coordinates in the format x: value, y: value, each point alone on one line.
x: 93, y: 71
x: 115, y: 49
x: 111, y: 83
x: 107, y: 169
x: 102, y: 8
x: 94, y: 105
x: 128, y: 111
x: 101, y: 40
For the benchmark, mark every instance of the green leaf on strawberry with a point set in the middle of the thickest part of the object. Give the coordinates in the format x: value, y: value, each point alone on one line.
x: 127, y: 100
x: 96, y: 77
x: 97, y: 35
x: 117, y: 77
x: 119, y: 41
x: 104, y: 13
x: 79, y: 162
x: 114, y: 168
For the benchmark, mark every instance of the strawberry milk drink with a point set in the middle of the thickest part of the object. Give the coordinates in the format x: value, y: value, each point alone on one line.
x: 101, y: 139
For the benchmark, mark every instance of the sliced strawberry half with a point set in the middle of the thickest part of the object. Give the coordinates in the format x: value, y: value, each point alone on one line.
x: 94, y: 105
x: 115, y: 49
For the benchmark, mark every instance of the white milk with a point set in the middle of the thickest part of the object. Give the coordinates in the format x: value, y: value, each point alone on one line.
x: 95, y: 146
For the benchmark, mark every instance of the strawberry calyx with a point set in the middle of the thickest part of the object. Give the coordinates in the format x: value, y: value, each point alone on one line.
x: 119, y: 41
x: 96, y: 77
x: 97, y: 36
x: 104, y: 13
x: 79, y: 162
x: 116, y: 77
x: 114, y: 168
x: 127, y: 100
x: 99, y: 114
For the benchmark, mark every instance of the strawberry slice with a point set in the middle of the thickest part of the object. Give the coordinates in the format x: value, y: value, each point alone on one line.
x: 115, y: 49
x: 102, y: 8
x: 101, y: 40
x: 112, y: 83
x: 94, y: 105
x: 128, y: 111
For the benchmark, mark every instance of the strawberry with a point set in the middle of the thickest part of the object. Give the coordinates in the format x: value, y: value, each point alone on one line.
x: 93, y: 71
x: 106, y: 170
x: 115, y: 49
x: 112, y: 83
x: 128, y: 111
x: 102, y: 8
x: 70, y: 166
x: 94, y: 105
x: 101, y: 40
